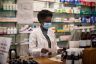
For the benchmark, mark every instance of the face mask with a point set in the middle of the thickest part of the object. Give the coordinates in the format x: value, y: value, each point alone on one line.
x: 47, y: 25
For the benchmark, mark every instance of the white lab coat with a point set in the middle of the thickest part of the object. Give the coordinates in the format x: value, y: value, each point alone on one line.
x: 37, y: 41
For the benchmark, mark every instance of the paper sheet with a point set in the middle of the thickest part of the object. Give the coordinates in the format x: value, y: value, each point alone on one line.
x: 4, y: 49
x: 25, y: 11
x: 55, y: 59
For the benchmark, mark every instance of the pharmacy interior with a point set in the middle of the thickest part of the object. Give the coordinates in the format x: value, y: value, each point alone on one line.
x: 73, y: 23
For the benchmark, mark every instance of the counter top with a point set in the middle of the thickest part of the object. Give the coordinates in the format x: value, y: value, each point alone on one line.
x: 47, y: 61
x: 89, y: 56
x: 44, y: 60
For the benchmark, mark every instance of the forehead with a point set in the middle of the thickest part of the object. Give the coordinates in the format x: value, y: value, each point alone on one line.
x: 48, y: 18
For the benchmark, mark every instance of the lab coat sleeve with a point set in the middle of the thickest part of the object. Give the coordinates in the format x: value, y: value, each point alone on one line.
x: 57, y: 47
x: 32, y: 43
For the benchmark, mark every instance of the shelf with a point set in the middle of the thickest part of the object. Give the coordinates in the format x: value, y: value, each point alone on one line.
x: 8, y: 10
x: 37, y: 10
x: 8, y: 20
x: 73, y: 4
x: 27, y: 32
x: 63, y: 32
x: 63, y: 22
x: 67, y: 22
x: 8, y: 34
x: 45, y: 0
x: 84, y: 27
x: 71, y: 13
x: 66, y: 13
x: 76, y: 23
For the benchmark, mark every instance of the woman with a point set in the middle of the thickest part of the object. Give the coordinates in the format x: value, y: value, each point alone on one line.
x: 42, y: 39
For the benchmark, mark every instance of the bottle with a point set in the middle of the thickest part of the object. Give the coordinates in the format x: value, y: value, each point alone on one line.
x: 76, y: 57
x: 95, y: 20
x: 84, y: 20
x: 91, y: 20
x: 8, y: 31
x: 62, y: 1
x: 83, y: 39
x: 11, y: 30
x: 14, y: 6
x: 77, y: 2
x: 69, y: 57
x: 1, y: 31
x: 5, y: 30
x: 93, y: 38
x: 10, y: 8
x: 13, y: 54
x: 80, y: 56
x: 63, y: 55
x: 88, y: 36
x: 4, y: 6
x: 14, y: 30
x: 71, y: 1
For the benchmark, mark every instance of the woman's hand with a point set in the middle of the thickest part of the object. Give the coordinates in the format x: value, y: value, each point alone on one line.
x: 44, y: 50
x: 59, y: 51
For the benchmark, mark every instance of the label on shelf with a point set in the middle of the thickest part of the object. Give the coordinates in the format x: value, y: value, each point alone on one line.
x: 83, y: 43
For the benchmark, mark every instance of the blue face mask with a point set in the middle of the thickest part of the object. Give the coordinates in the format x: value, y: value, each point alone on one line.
x: 47, y: 25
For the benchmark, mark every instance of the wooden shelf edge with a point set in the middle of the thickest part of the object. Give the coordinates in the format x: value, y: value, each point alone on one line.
x: 8, y: 20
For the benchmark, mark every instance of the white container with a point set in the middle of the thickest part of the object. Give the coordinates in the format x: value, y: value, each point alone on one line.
x: 83, y: 43
x: 67, y: 60
x: 4, y: 6
x: 88, y: 43
x: 74, y: 44
x: 76, y: 54
x: 14, y: 30
x: 15, y: 6
x: 10, y: 7
x: 80, y: 59
x: 8, y: 31
x: 36, y: 52
x: 5, y: 30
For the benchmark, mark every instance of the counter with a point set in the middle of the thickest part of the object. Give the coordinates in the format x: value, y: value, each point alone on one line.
x: 89, y: 56
x: 47, y: 61
x: 43, y: 60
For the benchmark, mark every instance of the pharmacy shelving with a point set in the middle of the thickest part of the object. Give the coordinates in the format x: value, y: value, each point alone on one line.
x: 58, y: 9
x: 8, y: 10
x: 8, y: 22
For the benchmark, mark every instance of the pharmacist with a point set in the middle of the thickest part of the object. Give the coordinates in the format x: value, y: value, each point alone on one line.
x: 42, y: 40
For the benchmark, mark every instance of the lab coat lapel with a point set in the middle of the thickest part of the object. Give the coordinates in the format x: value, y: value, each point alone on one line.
x: 41, y: 33
x: 49, y: 34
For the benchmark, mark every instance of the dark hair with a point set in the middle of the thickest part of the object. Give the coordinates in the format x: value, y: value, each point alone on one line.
x: 43, y: 14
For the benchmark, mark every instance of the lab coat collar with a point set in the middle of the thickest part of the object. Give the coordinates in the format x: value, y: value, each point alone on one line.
x: 47, y: 32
